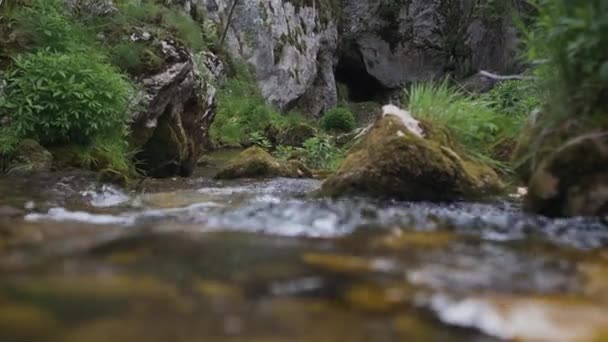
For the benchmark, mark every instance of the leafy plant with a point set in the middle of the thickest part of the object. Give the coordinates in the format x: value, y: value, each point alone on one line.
x: 178, y: 23
x: 569, y: 40
x: 516, y: 98
x: 321, y: 153
x: 338, y: 120
x: 243, y: 111
x: 50, y: 27
x: 473, y: 121
x: 257, y: 138
x: 64, y: 97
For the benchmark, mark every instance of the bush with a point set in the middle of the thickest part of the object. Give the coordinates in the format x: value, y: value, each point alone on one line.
x: 321, y: 153
x: 338, y: 120
x: 516, y: 98
x: 243, y: 111
x: 473, y: 122
x: 317, y: 153
x: 50, y: 27
x: 178, y: 23
x: 136, y: 58
x: 570, y: 38
x: 64, y: 97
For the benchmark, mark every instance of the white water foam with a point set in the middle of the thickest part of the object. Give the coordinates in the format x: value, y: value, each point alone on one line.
x: 520, y: 319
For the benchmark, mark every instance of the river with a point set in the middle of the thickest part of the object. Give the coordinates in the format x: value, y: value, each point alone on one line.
x: 203, y: 260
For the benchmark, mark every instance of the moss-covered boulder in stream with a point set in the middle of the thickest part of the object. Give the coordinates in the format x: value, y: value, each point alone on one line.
x: 254, y: 162
x: 30, y: 157
x: 393, y: 162
x: 573, y: 180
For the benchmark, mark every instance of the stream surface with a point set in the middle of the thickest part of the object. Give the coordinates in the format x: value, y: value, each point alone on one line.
x: 203, y: 260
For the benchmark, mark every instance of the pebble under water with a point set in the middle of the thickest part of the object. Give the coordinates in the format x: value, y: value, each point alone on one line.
x: 203, y: 260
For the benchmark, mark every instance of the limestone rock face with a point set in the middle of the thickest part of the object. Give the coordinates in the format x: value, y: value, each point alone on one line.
x: 254, y: 162
x: 400, y: 42
x: 392, y: 162
x: 572, y: 180
x: 178, y: 108
x: 290, y: 45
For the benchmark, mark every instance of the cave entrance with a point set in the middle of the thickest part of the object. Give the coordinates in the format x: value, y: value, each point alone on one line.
x: 361, y: 86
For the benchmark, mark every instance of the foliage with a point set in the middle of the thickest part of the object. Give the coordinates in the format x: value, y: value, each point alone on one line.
x: 338, y: 120
x: 317, y: 153
x: 178, y: 23
x: 135, y: 58
x: 50, y: 27
x: 259, y: 139
x: 242, y: 111
x: 516, y: 98
x: 320, y: 153
x: 8, y: 140
x: 64, y: 97
x: 570, y: 39
x: 112, y: 151
x: 473, y: 121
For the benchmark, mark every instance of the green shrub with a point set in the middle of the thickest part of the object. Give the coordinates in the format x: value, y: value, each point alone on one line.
x: 258, y: 139
x: 516, y: 98
x: 473, y: 121
x: 320, y: 153
x: 242, y: 110
x: 570, y: 39
x: 338, y: 120
x: 136, y: 58
x: 179, y: 24
x: 64, y: 97
x: 50, y: 27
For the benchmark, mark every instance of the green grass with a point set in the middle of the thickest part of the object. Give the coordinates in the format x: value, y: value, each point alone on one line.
x: 473, y: 122
x: 243, y: 112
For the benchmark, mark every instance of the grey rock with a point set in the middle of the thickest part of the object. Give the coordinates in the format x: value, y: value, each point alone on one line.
x: 292, y: 51
x: 418, y: 40
x: 178, y: 109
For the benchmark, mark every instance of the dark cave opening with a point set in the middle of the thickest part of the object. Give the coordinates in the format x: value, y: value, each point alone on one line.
x: 361, y: 86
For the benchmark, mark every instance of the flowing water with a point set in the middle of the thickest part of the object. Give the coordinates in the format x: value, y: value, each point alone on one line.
x: 202, y: 260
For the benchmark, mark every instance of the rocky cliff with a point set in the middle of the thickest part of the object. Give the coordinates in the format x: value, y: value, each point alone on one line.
x: 298, y: 47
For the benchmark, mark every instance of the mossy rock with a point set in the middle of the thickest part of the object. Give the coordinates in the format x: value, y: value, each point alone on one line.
x: 293, y: 135
x: 254, y: 162
x: 573, y: 180
x: 30, y: 157
x: 391, y: 162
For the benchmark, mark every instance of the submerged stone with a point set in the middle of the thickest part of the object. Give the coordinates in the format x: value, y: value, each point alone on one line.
x: 393, y: 162
x: 254, y: 162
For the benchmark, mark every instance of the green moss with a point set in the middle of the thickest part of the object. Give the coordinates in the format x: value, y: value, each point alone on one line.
x: 572, y: 180
x: 257, y: 163
x: 391, y: 162
x: 29, y: 157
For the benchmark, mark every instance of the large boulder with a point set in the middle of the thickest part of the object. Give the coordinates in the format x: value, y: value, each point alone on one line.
x: 420, y: 164
x: 254, y: 162
x: 178, y: 107
x: 572, y: 180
